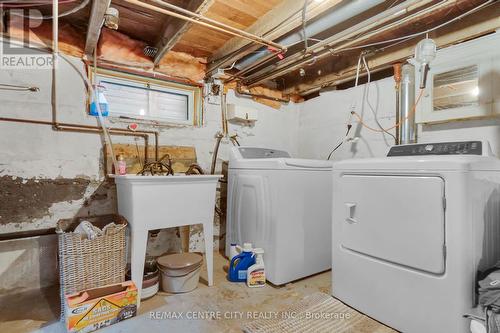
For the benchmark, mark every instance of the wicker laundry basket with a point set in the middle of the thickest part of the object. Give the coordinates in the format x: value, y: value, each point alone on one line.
x: 86, y: 263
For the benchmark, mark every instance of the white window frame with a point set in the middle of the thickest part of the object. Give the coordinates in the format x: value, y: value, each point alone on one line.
x: 191, y: 92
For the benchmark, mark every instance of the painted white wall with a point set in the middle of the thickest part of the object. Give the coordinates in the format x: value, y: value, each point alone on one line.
x: 323, y: 122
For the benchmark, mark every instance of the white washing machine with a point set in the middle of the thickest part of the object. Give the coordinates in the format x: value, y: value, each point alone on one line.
x: 411, y: 230
x: 282, y: 205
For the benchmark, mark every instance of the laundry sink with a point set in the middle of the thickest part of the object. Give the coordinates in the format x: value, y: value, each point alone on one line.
x: 156, y: 202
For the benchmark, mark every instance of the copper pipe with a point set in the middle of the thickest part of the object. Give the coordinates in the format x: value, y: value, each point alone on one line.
x: 276, y: 99
x: 397, y: 80
x: 234, y: 140
x: 202, y: 20
x: 194, y: 169
x: 219, y: 137
x: 84, y: 129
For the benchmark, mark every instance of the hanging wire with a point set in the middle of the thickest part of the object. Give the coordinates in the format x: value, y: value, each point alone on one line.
x: 4, y: 86
x: 413, y: 110
x: 367, y: 94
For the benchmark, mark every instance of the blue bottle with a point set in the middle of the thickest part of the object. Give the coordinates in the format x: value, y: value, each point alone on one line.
x: 239, y: 264
x: 99, y: 98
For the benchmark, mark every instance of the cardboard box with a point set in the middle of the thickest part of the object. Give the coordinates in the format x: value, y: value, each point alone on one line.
x: 92, y: 309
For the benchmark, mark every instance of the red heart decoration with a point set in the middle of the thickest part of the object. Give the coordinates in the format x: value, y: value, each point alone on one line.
x: 133, y: 127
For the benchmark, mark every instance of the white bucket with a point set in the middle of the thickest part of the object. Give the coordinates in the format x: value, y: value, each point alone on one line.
x: 180, y: 272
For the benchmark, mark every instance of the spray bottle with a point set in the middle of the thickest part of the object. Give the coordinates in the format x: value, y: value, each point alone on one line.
x: 99, y: 98
x: 256, y: 275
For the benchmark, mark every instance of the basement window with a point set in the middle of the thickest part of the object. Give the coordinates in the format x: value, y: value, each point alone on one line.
x: 135, y: 97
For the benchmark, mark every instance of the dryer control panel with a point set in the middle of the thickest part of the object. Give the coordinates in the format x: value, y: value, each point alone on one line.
x: 441, y: 148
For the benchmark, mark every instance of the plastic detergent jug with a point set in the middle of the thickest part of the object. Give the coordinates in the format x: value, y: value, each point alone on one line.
x: 239, y: 264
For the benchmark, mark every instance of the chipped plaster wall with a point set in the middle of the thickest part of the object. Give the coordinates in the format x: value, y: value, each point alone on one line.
x: 47, y: 175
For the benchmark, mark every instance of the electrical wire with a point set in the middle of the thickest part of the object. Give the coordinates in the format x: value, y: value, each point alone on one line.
x: 349, y: 126
x: 410, y: 36
x: 367, y: 94
x: 405, y: 38
x: 230, y: 67
x: 398, y: 124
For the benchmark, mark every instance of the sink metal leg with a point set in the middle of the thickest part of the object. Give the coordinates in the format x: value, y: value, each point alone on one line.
x: 139, y: 238
x: 208, y: 233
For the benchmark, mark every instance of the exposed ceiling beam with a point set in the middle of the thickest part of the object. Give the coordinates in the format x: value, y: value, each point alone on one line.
x: 476, y: 25
x: 95, y: 24
x: 175, y: 28
x: 282, y: 19
x: 2, y: 21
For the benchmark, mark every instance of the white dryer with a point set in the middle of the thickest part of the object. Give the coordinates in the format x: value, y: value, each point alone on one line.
x: 282, y: 205
x: 411, y: 230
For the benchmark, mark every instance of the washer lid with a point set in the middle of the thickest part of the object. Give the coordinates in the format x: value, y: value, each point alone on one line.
x: 281, y: 164
x: 179, y: 260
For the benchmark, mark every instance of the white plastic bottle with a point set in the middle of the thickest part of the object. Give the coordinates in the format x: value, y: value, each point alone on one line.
x: 234, y: 250
x: 256, y: 274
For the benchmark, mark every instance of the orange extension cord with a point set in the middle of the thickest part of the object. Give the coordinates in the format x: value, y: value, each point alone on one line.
x: 413, y: 110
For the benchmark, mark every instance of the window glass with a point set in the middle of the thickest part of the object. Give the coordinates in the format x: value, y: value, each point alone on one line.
x: 457, y: 88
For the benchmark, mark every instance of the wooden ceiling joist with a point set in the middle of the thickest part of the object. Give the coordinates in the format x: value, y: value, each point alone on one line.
x: 96, y: 20
x: 175, y: 28
x: 467, y: 28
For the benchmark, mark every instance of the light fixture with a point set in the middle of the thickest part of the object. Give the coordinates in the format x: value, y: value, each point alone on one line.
x: 425, y: 52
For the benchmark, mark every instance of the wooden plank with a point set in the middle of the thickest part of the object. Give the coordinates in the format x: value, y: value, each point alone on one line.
x: 469, y: 27
x: 95, y: 24
x: 182, y: 156
x: 175, y: 28
x: 287, y: 15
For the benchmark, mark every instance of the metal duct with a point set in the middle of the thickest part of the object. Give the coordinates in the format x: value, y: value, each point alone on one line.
x: 407, y: 129
x: 338, y: 14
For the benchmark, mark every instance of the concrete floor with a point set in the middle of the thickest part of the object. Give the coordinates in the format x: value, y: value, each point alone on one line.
x: 37, y: 311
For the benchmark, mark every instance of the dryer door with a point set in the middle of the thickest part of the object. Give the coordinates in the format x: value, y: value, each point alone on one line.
x: 397, y: 219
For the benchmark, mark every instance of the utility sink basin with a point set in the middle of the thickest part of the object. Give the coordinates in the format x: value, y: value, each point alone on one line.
x: 156, y: 202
